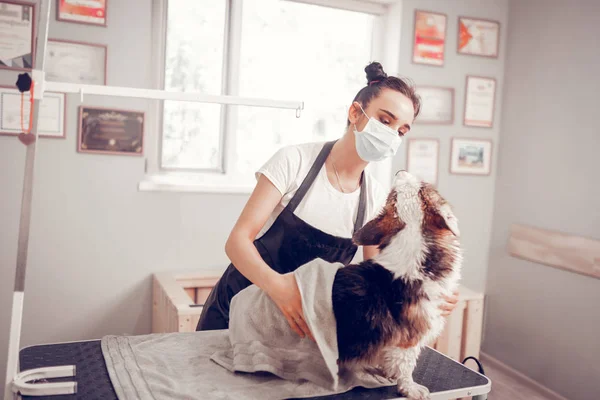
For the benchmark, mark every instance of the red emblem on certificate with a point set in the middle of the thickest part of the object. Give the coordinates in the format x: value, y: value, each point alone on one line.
x: 83, y: 11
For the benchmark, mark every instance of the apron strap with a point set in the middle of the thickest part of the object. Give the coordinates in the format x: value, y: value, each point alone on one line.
x: 311, y: 176
x: 362, y: 204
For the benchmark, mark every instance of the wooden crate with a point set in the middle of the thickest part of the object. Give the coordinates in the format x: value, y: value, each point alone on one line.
x: 177, y: 299
x: 461, y: 337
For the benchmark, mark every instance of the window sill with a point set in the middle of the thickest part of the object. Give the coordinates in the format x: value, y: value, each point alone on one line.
x: 159, y: 183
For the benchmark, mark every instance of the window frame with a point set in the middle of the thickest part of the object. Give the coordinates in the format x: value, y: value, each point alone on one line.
x: 225, y: 64
x: 215, y: 180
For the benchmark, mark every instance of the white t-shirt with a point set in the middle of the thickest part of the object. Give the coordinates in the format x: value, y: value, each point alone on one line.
x: 323, y: 206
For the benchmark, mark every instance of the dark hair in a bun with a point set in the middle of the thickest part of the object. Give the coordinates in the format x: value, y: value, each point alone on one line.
x: 375, y: 72
x: 377, y: 80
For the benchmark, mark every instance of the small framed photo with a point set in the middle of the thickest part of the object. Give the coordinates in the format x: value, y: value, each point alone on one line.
x: 437, y: 105
x: 422, y: 159
x: 91, y: 12
x: 110, y: 131
x: 478, y: 37
x: 471, y: 156
x: 51, y: 121
x: 480, y: 101
x: 429, y: 41
x: 76, y: 62
x: 16, y: 35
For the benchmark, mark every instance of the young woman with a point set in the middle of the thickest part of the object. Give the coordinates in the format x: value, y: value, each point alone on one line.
x: 310, y: 199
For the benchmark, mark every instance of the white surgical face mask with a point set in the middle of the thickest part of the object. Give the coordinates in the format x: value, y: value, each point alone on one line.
x: 376, y: 141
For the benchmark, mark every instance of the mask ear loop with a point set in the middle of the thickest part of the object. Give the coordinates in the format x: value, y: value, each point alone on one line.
x: 363, y: 111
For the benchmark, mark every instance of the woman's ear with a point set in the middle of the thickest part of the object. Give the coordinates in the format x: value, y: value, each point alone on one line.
x: 354, y: 113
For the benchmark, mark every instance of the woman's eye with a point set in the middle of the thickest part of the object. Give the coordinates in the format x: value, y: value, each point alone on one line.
x: 385, y: 121
x: 401, y: 134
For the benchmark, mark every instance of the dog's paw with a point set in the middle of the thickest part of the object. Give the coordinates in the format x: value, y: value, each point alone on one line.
x: 414, y: 391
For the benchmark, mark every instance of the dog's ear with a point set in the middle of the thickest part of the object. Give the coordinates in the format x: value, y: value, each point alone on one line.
x: 381, y: 228
x: 446, y: 220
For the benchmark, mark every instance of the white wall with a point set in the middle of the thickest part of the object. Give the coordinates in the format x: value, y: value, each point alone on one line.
x: 471, y: 196
x: 543, y: 321
x: 96, y: 240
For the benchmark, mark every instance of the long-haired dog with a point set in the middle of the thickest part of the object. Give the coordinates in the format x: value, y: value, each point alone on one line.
x: 387, y: 308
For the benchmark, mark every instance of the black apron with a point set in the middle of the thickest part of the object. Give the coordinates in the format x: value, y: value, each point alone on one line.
x: 288, y: 243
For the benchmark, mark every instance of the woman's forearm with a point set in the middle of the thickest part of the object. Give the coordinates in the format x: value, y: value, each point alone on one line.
x: 246, y: 259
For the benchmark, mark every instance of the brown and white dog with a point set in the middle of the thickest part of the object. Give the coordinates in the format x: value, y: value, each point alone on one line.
x: 387, y: 308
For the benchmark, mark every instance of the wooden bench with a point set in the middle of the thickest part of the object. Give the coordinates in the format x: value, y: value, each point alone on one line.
x: 177, y: 299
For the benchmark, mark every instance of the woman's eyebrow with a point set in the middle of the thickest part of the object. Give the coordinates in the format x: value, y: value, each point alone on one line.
x: 388, y: 113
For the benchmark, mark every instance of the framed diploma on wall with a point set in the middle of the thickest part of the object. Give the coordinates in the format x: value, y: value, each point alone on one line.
x: 478, y: 37
x: 83, y: 12
x: 76, y: 62
x: 471, y: 156
x: 437, y: 105
x: 422, y: 159
x: 429, y: 40
x: 110, y: 131
x: 16, y: 35
x: 480, y: 99
x: 51, y: 119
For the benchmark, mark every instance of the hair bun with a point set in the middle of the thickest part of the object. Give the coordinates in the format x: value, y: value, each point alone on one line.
x: 375, y: 72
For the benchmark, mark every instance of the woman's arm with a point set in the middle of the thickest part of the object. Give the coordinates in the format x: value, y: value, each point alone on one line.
x: 240, y: 244
x: 240, y: 249
x: 370, y: 252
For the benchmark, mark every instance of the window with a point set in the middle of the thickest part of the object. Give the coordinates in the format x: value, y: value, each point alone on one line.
x: 191, y: 132
x: 277, y: 49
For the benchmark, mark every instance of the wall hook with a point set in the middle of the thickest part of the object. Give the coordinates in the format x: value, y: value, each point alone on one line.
x: 299, y: 110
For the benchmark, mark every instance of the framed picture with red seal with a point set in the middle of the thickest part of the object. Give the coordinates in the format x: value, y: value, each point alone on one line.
x: 429, y: 41
x: 91, y: 12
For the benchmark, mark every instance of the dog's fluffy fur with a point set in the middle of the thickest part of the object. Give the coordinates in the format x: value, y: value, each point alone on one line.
x: 387, y: 308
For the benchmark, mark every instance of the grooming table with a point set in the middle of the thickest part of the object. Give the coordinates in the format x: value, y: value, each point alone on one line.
x: 445, y: 378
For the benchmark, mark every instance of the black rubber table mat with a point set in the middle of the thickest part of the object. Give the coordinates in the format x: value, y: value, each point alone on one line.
x: 91, y: 375
x: 433, y: 370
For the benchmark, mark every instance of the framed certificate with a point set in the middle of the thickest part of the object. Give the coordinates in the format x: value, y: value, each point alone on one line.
x: 16, y: 35
x: 480, y: 97
x: 51, y: 119
x: 422, y: 159
x: 91, y: 12
x: 76, y: 62
x: 437, y: 105
x: 471, y: 156
x: 478, y: 37
x: 110, y: 131
x: 429, y: 38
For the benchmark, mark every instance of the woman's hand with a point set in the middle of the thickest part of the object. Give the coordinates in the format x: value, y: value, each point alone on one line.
x: 286, y: 295
x: 450, y: 304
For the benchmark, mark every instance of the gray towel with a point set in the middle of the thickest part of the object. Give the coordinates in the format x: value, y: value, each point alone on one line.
x: 178, y: 366
x: 262, y: 340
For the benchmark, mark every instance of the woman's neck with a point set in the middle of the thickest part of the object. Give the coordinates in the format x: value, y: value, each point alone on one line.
x: 347, y: 162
